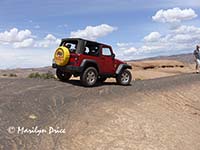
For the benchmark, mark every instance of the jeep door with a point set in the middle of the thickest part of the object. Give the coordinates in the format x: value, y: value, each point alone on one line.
x: 107, y: 60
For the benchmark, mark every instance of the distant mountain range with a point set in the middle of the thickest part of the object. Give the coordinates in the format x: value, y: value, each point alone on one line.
x: 185, y: 58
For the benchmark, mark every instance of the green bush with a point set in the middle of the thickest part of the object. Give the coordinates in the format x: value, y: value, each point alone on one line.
x: 34, y: 75
x: 48, y: 75
x: 37, y: 75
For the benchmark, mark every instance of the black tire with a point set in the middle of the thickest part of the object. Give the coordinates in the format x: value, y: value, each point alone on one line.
x: 124, y: 78
x: 89, y: 77
x: 63, y: 76
x: 102, y: 79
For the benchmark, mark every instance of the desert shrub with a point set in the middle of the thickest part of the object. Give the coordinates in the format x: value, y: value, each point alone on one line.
x: 167, y: 66
x: 34, y: 75
x: 12, y: 75
x: 148, y: 67
x: 137, y: 79
x: 4, y: 75
x: 48, y: 75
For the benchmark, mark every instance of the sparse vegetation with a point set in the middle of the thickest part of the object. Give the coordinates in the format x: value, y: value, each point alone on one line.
x: 34, y: 75
x: 4, y: 75
x: 12, y: 75
x: 137, y: 79
x: 162, y: 66
x: 149, y: 67
x: 48, y: 75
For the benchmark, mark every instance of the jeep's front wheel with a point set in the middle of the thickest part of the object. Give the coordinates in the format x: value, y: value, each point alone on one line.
x: 124, y: 78
x: 63, y: 76
x: 89, y: 77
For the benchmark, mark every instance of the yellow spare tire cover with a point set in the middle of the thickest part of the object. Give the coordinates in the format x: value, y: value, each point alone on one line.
x: 61, y: 56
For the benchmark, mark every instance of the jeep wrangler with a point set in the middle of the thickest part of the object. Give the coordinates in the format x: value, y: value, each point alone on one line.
x: 90, y: 60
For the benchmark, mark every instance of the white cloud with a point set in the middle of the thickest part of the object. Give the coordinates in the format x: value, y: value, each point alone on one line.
x: 24, y: 44
x: 174, y: 15
x: 50, y: 37
x: 180, y: 39
x: 125, y: 50
x: 124, y: 44
x: 183, y: 33
x: 14, y: 35
x: 150, y: 47
x: 152, y: 37
x: 15, y: 38
x: 130, y: 50
x: 183, y: 29
x: 19, y: 49
x: 48, y: 41
x: 94, y: 32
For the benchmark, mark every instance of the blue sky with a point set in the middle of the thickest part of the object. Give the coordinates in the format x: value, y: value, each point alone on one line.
x: 30, y: 31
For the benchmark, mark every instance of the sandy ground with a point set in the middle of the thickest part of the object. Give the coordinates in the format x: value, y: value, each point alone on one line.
x: 147, y: 69
x: 151, y: 69
x: 158, y: 114
x: 24, y: 73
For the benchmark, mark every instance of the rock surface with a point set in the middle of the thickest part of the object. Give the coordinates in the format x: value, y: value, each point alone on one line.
x: 158, y: 114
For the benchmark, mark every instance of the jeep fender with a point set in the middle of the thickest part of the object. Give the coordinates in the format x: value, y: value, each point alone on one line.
x: 122, y: 67
x: 86, y: 62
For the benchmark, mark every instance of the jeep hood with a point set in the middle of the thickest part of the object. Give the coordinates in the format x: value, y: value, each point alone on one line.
x: 117, y: 61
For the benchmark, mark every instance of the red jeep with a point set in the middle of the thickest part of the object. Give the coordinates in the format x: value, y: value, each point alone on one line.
x: 92, y: 61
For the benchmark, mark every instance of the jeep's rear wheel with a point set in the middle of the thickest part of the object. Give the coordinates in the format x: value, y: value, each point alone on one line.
x: 89, y: 77
x: 63, y: 76
x: 124, y: 78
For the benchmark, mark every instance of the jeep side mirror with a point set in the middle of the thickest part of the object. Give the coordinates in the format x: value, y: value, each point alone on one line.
x: 113, y: 56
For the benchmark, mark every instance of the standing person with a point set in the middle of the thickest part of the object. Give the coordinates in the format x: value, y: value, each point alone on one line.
x: 197, y: 58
